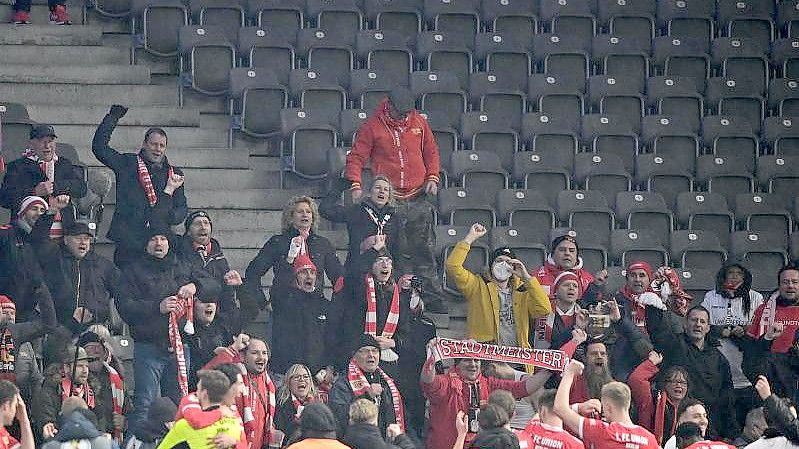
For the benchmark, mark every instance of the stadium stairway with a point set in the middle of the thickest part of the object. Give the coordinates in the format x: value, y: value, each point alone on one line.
x: 68, y: 76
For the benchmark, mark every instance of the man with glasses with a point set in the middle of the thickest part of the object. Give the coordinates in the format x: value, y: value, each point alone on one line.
x: 774, y: 336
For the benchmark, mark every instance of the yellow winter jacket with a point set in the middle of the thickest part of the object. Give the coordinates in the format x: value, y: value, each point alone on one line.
x: 482, y: 297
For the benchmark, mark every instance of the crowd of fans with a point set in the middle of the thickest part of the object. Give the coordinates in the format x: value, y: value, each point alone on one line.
x: 360, y: 366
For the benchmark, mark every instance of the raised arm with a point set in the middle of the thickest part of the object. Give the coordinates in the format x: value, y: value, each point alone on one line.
x: 465, y: 280
x: 571, y: 419
x: 640, y: 383
x: 329, y: 206
x: 258, y: 267
x: 102, y: 137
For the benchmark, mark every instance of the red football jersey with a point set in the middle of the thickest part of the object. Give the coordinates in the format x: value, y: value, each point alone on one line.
x: 598, y: 434
x: 710, y: 445
x: 541, y: 436
x: 6, y: 440
x: 768, y: 313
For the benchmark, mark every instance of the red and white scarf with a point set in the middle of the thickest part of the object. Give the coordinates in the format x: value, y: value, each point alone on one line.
x: 185, y: 307
x: 84, y: 392
x: 117, y: 395
x: 8, y: 354
x: 48, y: 170
x: 370, y: 326
x: 146, y: 181
x: 299, y: 405
x: 660, y: 417
x: 252, y: 397
x: 360, y: 386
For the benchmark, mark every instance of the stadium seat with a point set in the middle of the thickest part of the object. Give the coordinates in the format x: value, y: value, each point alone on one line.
x: 548, y: 134
x: 440, y: 52
x: 663, y: 174
x: 549, y: 9
x: 777, y: 174
x: 706, y: 211
x: 327, y: 52
x: 545, y: 172
x: 687, y: 20
x: 517, y: 16
x: 498, y: 96
x: 367, y: 88
x: 763, y: 212
x: 350, y: 120
x: 405, y: 16
x: 632, y: 20
x: 319, y: 93
x: 742, y: 59
x: 587, y: 212
x: 528, y: 210
x: 783, y: 97
x: 448, y: 143
x: 479, y: 171
x: 282, y: 17
x: 506, y: 55
x: 485, y: 132
x: 155, y: 24
x: 750, y: 19
x: 460, y: 20
x: 602, y: 173
x: 557, y: 99
x: 671, y: 137
x: 342, y: 18
x: 682, y: 57
x: 386, y: 51
x: 644, y: 210
x: 728, y: 96
x: 476, y: 261
x: 696, y: 248
x: 111, y: 8
x: 794, y: 244
x: 306, y: 142
x: 256, y: 98
x: 785, y: 57
x: 621, y: 96
x: 781, y: 134
x: 765, y: 250
x: 620, y: 56
x: 610, y: 134
x: 440, y: 93
x: 696, y: 281
x: 463, y: 207
x: 521, y: 240
x: 728, y: 176
x: 16, y: 127
x: 267, y: 50
x: 726, y: 135
x: 227, y: 15
x: 639, y: 244
x: 206, y: 58
x: 564, y: 56
x: 788, y: 18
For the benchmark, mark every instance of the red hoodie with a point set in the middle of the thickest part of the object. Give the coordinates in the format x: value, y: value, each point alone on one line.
x: 547, y: 273
x: 407, y: 155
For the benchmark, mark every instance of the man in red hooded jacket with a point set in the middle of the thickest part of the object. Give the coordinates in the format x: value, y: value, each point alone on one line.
x: 398, y: 142
x: 563, y: 257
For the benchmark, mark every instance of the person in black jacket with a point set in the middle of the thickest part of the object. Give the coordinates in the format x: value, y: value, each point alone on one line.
x: 212, y: 330
x: 363, y: 433
x: 18, y: 362
x: 777, y: 412
x: 21, y: 277
x: 81, y: 281
x: 299, y: 235
x: 42, y: 172
x: 198, y: 248
x: 145, y: 181
x: 154, y: 286
x: 708, y: 369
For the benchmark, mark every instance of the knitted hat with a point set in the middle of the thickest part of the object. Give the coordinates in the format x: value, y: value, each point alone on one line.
x: 29, y: 201
x: 504, y: 251
x: 79, y: 228
x: 303, y: 262
x: 366, y: 340
x: 563, y: 238
x: 42, y: 130
x: 640, y: 265
x: 194, y: 215
x: 154, y: 230
x: 316, y: 416
x: 7, y: 303
x: 89, y: 337
x: 565, y: 276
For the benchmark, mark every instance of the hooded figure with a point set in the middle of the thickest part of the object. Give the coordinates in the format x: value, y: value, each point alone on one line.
x: 159, y: 419
x: 78, y: 428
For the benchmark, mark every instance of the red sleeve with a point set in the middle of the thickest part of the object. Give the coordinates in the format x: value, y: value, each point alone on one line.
x: 197, y: 418
x: 569, y: 347
x: 228, y: 355
x: 243, y: 443
x: 437, y: 390
x: 641, y: 389
x: 754, y: 330
x: 360, y: 154
x: 518, y: 388
x: 432, y: 162
x: 592, y: 431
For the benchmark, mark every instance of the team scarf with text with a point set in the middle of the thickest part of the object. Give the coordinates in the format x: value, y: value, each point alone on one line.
x: 146, y: 181
x: 360, y: 386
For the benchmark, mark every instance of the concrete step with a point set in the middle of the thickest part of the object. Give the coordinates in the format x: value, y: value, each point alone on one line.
x: 214, y: 158
x: 271, y: 199
x: 132, y: 136
x: 37, y: 55
x: 40, y: 12
x: 96, y: 94
x: 46, y: 34
x: 72, y: 74
x: 93, y: 115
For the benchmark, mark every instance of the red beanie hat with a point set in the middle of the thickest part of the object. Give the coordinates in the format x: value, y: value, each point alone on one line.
x: 303, y: 262
x: 7, y: 303
x: 640, y: 265
x: 567, y: 276
x: 29, y: 201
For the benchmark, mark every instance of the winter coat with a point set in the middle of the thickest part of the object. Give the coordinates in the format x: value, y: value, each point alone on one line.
x: 645, y: 399
x: 709, y: 375
x: 23, y: 175
x: 482, y: 316
x: 146, y: 282
x: 341, y: 396
x: 104, y: 410
x: 300, y: 330
x: 778, y: 413
x: 206, y: 338
x: 21, y: 276
x: 547, y: 273
x: 627, y: 343
x: 273, y: 255
x: 367, y: 436
x: 408, y: 166
x: 360, y: 224
x: 77, y: 427
x: 27, y: 375
x: 133, y: 212
x: 98, y: 278
x: 497, y: 438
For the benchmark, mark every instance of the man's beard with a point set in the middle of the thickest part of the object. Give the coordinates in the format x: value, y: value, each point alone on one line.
x: 595, y: 379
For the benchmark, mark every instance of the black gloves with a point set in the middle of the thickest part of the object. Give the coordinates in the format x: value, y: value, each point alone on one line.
x: 118, y: 111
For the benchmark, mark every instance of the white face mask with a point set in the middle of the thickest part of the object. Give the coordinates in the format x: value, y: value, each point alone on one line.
x: 501, y: 271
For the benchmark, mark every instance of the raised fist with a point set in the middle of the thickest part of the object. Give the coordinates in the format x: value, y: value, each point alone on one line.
x: 118, y: 111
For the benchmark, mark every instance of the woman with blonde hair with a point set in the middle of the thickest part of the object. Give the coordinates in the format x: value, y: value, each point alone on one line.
x: 297, y: 391
x: 298, y: 240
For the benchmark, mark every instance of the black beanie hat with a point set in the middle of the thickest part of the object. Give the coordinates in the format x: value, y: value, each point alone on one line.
x: 197, y: 214
x: 89, y: 337
x: 504, y: 251
x: 367, y: 340
x: 316, y: 416
x: 560, y: 239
